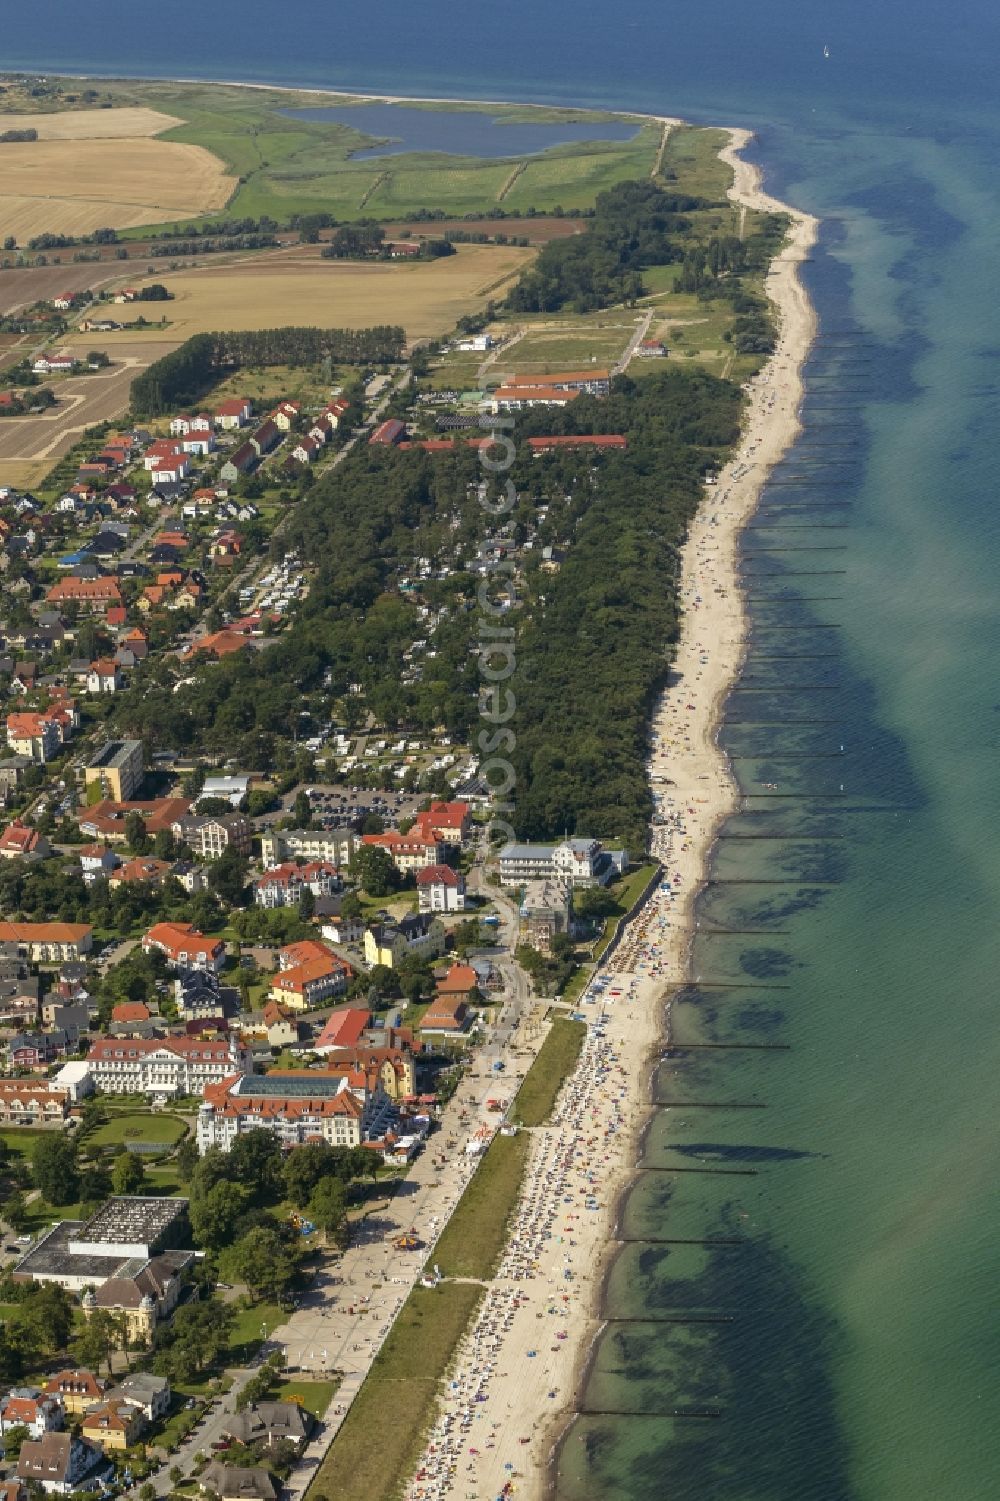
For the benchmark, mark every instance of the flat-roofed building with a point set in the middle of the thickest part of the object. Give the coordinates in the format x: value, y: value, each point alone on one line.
x: 118, y: 769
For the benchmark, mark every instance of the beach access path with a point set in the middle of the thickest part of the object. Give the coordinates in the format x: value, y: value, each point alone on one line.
x: 517, y: 1380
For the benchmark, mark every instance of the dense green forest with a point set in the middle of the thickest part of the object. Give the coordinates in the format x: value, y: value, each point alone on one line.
x: 636, y: 224
x: 189, y: 372
x: 591, y: 663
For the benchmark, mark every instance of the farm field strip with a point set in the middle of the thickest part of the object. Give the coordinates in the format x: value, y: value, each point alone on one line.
x: 427, y: 299
x: 76, y: 186
x: 129, y: 121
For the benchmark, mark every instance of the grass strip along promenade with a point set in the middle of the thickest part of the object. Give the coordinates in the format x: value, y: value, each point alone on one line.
x: 379, y: 1443
x: 556, y: 1060
x: 399, y: 1397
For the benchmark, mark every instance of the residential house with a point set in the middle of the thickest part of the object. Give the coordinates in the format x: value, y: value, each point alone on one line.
x: 335, y: 845
x: 21, y: 842
x: 35, y: 736
x: 408, y: 852
x: 76, y: 1387
x: 149, y: 1394
x: 85, y: 593
x: 389, y: 943
x: 31, y: 1103
x: 440, y: 889
x: 46, y: 942
x: 343, y: 930
x: 281, y: 1027
x: 97, y: 861
x: 448, y: 823
x: 240, y: 462
x: 234, y: 413
x: 283, y: 885
x: 58, y: 1462
x: 231, y: 1483
x: 105, y: 676
x: 209, y: 835
x: 31, y: 1408
x: 266, y: 437
x: 270, y: 1423
x: 184, y: 947
x: 113, y: 1425
x: 310, y: 973
x: 336, y: 410
x: 142, y: 868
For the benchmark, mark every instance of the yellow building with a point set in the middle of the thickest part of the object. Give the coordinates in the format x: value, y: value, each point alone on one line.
x: 118, y: 770
x: 389, y: 943
x: 113, y: 1425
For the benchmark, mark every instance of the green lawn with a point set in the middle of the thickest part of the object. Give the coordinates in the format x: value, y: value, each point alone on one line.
x: 626, y: 893
x: 379, y: 1444
x: 555, y: 1062
x: 287, y: 166
x: 474, y: 1238
x: 692, y: 156
x: 164, y: 1180
x: 314, y: 1396
x: 143, y: 1125
x: 21, y: 1140
x: 252, y: 1325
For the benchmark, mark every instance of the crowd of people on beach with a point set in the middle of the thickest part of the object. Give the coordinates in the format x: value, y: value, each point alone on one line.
x: 505, y: 1385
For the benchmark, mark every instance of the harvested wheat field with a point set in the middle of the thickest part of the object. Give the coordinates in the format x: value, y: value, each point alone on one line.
x: 427, y: 298
x: 93, y: 124
x: 76, y: 186
x: 31, y: 445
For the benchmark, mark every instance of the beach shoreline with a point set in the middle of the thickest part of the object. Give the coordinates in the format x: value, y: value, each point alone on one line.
x: 797, y: 327
x: 527, y: 1356
x: 355, y: 96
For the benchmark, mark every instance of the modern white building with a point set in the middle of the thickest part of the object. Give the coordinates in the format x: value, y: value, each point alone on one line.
x: 581, y: 861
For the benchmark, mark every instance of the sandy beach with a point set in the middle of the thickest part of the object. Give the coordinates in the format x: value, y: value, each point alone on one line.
x: 519, y: 1369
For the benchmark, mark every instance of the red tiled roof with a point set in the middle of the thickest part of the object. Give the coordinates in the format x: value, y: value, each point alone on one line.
x: 130, y: 1011
x: 459, y: 980
x: 344, y: 1027
x: 437, y: 875
x: 176, y: 938
x: 579, y: 440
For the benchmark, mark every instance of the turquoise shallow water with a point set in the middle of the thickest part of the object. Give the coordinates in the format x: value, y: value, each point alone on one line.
x: 837, y: 1337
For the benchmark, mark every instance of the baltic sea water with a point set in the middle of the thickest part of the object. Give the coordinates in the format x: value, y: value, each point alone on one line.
x: 844, y: 1325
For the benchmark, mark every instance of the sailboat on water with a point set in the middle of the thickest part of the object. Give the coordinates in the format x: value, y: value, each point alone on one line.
x: 826, y: 50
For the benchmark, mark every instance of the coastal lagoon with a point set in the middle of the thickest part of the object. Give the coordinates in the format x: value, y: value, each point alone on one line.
x: 458, y: 132
x: 832, y: 1336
